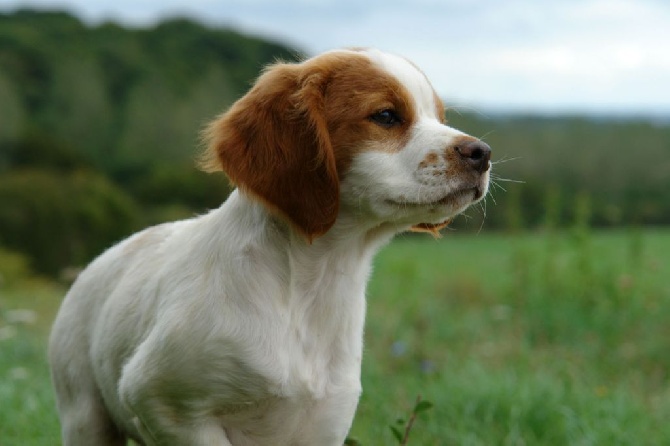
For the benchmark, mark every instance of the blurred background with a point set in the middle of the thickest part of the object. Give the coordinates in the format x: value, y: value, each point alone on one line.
x: 101, y: 104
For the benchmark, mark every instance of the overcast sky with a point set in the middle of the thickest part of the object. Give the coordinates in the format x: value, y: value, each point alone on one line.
x: 605, y: 56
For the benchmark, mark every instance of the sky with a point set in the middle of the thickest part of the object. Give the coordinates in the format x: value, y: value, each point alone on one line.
x: 551, y: 56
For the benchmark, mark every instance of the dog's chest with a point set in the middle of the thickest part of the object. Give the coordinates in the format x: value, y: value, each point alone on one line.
x: 321, y: 346
x: 311, y: 362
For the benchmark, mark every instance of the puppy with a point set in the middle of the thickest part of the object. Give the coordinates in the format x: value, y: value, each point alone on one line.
x: 244, y: 326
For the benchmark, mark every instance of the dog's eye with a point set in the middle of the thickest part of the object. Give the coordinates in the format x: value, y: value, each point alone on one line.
x: 386, y: 118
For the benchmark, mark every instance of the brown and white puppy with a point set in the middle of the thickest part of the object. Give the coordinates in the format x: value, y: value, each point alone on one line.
x: 244, y: 326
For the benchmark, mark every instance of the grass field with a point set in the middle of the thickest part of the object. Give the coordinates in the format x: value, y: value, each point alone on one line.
x: 533, y: 339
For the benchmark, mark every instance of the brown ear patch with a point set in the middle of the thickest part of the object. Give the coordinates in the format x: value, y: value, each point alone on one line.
x: 273, y: 144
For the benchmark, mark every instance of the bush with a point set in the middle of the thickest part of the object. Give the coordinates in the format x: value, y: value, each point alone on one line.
x: 14, y: 268
x: 36, y: 149
x: 184, y: 185
x: 60, y: 219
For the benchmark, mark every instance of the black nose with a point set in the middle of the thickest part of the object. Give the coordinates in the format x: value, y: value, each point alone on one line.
x: 476, y: 153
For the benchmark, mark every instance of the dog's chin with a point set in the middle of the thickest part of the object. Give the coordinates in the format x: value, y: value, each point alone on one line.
x: 448, y: 206
x: 453, y: 199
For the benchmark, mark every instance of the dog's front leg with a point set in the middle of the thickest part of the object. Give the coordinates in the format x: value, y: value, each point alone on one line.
x: 165, y: 411
x: 330, y: 418
x: 165, y: 432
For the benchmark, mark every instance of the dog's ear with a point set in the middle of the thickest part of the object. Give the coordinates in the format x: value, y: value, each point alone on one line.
x: 274, y: 144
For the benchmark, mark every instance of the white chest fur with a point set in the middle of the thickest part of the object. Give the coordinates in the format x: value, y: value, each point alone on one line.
x: 271, y: 325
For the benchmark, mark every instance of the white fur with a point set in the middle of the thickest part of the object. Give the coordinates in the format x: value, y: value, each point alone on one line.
x: 230, y: 328
x: 414, y: 80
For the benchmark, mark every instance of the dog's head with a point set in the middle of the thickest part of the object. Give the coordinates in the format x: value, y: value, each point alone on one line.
x: 356, y: 131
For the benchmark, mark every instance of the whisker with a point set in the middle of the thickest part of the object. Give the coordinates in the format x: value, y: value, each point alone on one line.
x: 507, y: 180
x: 486, y: 134
x: 491, y: 195
x: 482, y: 205
x: 494, y: 183
x: 506, y: 160
x: 458, y: 108
x: 498, y: 186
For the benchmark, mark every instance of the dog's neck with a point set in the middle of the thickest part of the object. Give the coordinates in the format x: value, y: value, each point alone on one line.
x: 350, y: 237
x: 318, y: 288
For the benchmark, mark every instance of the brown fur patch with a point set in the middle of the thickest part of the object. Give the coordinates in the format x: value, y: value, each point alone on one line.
x: 430, y: 228
x: 431, y: 159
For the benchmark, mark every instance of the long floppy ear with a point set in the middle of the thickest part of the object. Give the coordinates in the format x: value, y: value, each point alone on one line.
x: 274, y: 144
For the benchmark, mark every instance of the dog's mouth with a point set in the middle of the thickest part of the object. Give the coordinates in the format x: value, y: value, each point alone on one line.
x: 449, y: 199
x: 456, y: 199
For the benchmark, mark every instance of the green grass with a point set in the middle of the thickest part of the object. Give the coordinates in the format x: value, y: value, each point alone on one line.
x: 535, y: 339
x: 27, y: 411
x: 529, y: 339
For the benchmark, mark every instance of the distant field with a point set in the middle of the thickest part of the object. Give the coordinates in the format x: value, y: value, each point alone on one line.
x: 516, y: 339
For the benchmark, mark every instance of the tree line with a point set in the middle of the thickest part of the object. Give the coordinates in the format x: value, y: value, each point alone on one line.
x: 99, y: 131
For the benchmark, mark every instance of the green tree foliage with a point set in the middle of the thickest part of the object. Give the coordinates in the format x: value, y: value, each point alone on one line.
x: 62, y: 219
x: 34, y: 149
x: 622, y: 165
x: 122, y: 96
x: 112, y: 114
x: 92, y: 116
x: 11, y: 111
